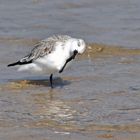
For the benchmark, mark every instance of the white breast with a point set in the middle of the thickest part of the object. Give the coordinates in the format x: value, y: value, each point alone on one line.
x: 54, y: 61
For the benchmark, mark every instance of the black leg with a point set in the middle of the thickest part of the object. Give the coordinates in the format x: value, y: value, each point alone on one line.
x: 68, y: 60
x: 51, y: 78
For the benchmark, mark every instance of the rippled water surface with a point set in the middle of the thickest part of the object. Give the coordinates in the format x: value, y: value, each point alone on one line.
x: 98, y: 97
x: 104, y: 21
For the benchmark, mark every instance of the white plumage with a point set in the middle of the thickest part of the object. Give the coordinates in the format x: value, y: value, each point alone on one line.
x: 51, y: 55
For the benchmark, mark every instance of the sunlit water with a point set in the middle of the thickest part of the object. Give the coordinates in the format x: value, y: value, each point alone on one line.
x: 96, y: 95
x: 104, y: 21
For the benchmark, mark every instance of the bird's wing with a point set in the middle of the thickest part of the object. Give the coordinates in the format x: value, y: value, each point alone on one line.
x: 45, y: 47
x: 41, y: 49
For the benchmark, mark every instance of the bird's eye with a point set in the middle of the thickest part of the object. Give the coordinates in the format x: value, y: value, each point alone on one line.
x: 78, y: 44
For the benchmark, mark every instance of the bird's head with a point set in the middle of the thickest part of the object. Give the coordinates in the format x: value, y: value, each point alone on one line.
x: 79, y: 45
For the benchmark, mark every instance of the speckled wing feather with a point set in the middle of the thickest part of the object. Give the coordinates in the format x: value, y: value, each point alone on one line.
x: 41, y: 49
x: 45, y: 47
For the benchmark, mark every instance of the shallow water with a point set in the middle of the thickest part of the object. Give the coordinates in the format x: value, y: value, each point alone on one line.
x: 98, y: 97
x: 102, y: 21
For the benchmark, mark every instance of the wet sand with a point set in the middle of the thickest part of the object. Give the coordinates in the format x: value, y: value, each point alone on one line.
x: 98, y: 97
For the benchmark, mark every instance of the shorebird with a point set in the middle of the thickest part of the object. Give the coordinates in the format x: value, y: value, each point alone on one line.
x: 51, y: 55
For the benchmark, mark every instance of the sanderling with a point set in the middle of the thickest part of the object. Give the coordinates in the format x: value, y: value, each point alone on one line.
x: 51, y: 55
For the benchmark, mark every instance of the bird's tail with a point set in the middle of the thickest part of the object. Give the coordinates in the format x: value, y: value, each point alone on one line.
x: 19, y: 63
x: 14, y: 64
